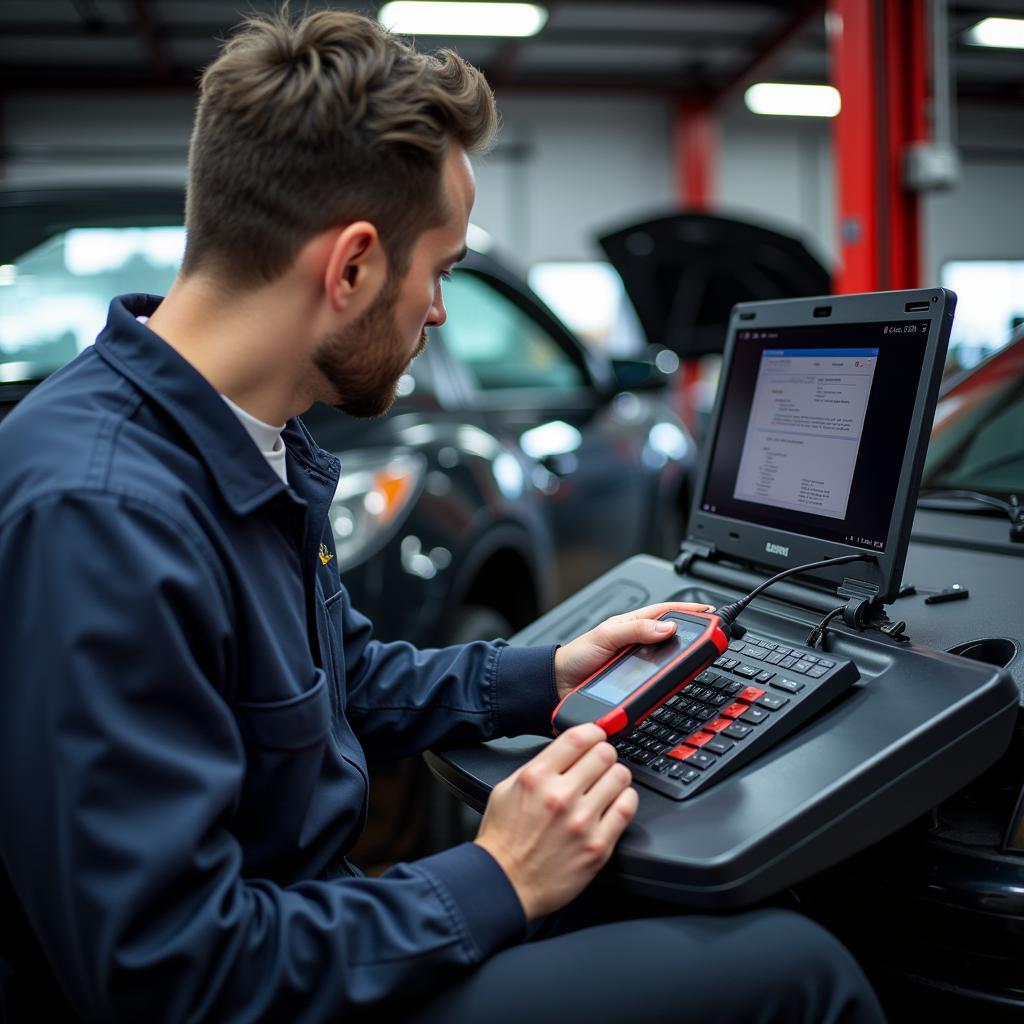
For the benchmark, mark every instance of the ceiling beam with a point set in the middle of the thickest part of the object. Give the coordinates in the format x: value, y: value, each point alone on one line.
x: 501, y: 69
x: 771, y: 48
x: 151, y: 41
x: 677, y: 86
x: 50, y: 31
x: 92, y: 20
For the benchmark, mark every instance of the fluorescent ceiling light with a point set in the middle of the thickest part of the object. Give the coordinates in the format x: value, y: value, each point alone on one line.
x: 793, y: 100
x: 436, y: 18
x: 1008, y: 32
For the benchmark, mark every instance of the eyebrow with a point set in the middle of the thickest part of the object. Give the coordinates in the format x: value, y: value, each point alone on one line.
x: 459, y: 256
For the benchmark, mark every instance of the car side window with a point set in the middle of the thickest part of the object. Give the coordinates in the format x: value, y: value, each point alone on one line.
x: 986, y: 453
x: 54, y: 298
x: 499, y: 344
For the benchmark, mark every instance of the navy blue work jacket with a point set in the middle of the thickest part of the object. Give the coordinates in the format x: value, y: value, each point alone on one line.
x: 187, y: 695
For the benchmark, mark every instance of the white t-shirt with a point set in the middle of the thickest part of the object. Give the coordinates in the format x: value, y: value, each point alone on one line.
x: 265, y: 436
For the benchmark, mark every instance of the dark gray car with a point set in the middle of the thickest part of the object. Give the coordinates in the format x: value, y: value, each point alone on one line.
x: 515, y: 466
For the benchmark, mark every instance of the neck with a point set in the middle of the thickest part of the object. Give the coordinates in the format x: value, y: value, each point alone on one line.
x: 235, y: 340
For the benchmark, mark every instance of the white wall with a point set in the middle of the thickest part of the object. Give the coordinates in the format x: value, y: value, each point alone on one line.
x: 568, y: 167
x: 778, y: 171
x: 983, y: 217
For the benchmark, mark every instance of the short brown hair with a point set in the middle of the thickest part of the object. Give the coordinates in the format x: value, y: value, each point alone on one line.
x: 306, y: 124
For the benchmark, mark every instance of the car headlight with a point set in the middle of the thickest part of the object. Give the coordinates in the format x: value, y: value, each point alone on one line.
x: 374, y: 494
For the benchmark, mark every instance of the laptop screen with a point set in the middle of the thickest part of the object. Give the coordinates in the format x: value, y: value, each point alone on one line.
x: 819, y: 432
x: 805, y: 440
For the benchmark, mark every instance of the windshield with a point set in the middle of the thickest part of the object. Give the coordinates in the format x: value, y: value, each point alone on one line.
x: 54, y: 297
x: 977, y: 440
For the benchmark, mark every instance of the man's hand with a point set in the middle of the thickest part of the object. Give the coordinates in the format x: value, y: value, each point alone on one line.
x: 552, y: 825
x: 587, y: 653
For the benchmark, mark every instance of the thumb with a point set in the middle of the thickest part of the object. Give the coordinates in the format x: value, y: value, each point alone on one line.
x: 616, y: 634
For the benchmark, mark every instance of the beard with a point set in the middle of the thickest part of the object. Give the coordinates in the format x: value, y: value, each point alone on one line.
x: 364, y: 362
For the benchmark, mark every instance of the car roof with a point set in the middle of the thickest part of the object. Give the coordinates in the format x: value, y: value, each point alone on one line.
x: 1005, y: 362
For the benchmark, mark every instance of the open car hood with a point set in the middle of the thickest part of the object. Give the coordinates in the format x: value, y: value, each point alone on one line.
x: 684, y: 272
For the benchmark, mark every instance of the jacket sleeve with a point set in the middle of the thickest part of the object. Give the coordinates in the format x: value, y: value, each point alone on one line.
x: 120, y: 763
x: 403, y: 699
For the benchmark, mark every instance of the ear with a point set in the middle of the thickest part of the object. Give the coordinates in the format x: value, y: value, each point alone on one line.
x: 356, y: 266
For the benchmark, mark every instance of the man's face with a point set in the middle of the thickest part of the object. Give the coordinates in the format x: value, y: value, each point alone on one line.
x: 364, y: 361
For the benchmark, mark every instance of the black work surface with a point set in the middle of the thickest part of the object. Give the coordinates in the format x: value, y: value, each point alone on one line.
x: 975, y: 552
x: 917, y: 726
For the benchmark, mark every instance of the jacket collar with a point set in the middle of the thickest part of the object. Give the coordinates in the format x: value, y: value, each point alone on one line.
x: 171, y: 382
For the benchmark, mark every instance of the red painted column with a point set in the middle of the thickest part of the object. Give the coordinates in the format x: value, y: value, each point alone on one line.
x: 696, y: 154
x: 879, y: 64
x: 695, y: 145
x: 906, y: 37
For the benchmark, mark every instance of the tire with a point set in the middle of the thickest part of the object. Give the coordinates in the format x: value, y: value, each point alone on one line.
x: 478, y: 622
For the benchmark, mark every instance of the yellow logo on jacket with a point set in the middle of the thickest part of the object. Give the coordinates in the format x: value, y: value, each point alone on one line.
x: 325, y: 555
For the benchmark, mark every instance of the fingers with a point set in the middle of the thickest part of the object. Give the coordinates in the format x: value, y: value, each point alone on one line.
x: 608, y: 787
x: 618, y: 633
x: 652, y: 611
x: 591, y: 766
x: 568, y: 748
x: 642, y: 626
x: 579, y: 755
x: 609, y: 802
x: 618, y: 815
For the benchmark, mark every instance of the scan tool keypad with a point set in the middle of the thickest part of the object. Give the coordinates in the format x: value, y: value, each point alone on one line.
x: 753, y: 695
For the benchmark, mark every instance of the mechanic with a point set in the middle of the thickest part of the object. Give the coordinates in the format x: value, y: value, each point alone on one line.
x: 188, y: 693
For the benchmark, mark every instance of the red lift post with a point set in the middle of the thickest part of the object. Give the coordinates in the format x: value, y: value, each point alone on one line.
x: 696, y: 153
x: 879, y: 56
x: 696, y: 161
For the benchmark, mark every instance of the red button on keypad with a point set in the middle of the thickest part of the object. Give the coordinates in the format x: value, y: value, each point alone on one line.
x: 750, y: 694
x: 698, y: 739
x: 681, y: 753
x: 734, y: 710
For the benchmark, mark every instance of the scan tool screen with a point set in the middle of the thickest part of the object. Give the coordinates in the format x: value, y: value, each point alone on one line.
x: 628, y: 674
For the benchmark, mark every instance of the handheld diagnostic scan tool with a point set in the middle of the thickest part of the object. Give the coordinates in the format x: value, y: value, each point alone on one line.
x: 641, y: 678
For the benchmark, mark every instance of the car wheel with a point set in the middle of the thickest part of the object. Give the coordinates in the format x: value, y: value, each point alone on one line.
x: 477, y: 622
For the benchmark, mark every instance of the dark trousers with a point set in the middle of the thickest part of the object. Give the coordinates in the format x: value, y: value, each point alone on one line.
x: 751, y: 968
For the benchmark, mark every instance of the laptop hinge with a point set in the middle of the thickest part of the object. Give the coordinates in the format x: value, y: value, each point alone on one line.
x: 864, y: 610
x: 858, y: 589
x: 688, y: 551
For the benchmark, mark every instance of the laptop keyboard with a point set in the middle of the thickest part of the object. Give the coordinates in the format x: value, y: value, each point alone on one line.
x: 755, y: 694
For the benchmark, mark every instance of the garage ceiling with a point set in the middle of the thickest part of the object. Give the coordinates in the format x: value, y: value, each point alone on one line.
x: 668, y: 47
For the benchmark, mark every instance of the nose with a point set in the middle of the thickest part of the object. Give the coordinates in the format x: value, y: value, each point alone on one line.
x: 438, y: 314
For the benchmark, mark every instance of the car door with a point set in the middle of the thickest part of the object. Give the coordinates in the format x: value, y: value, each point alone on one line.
x: 530, y: 381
